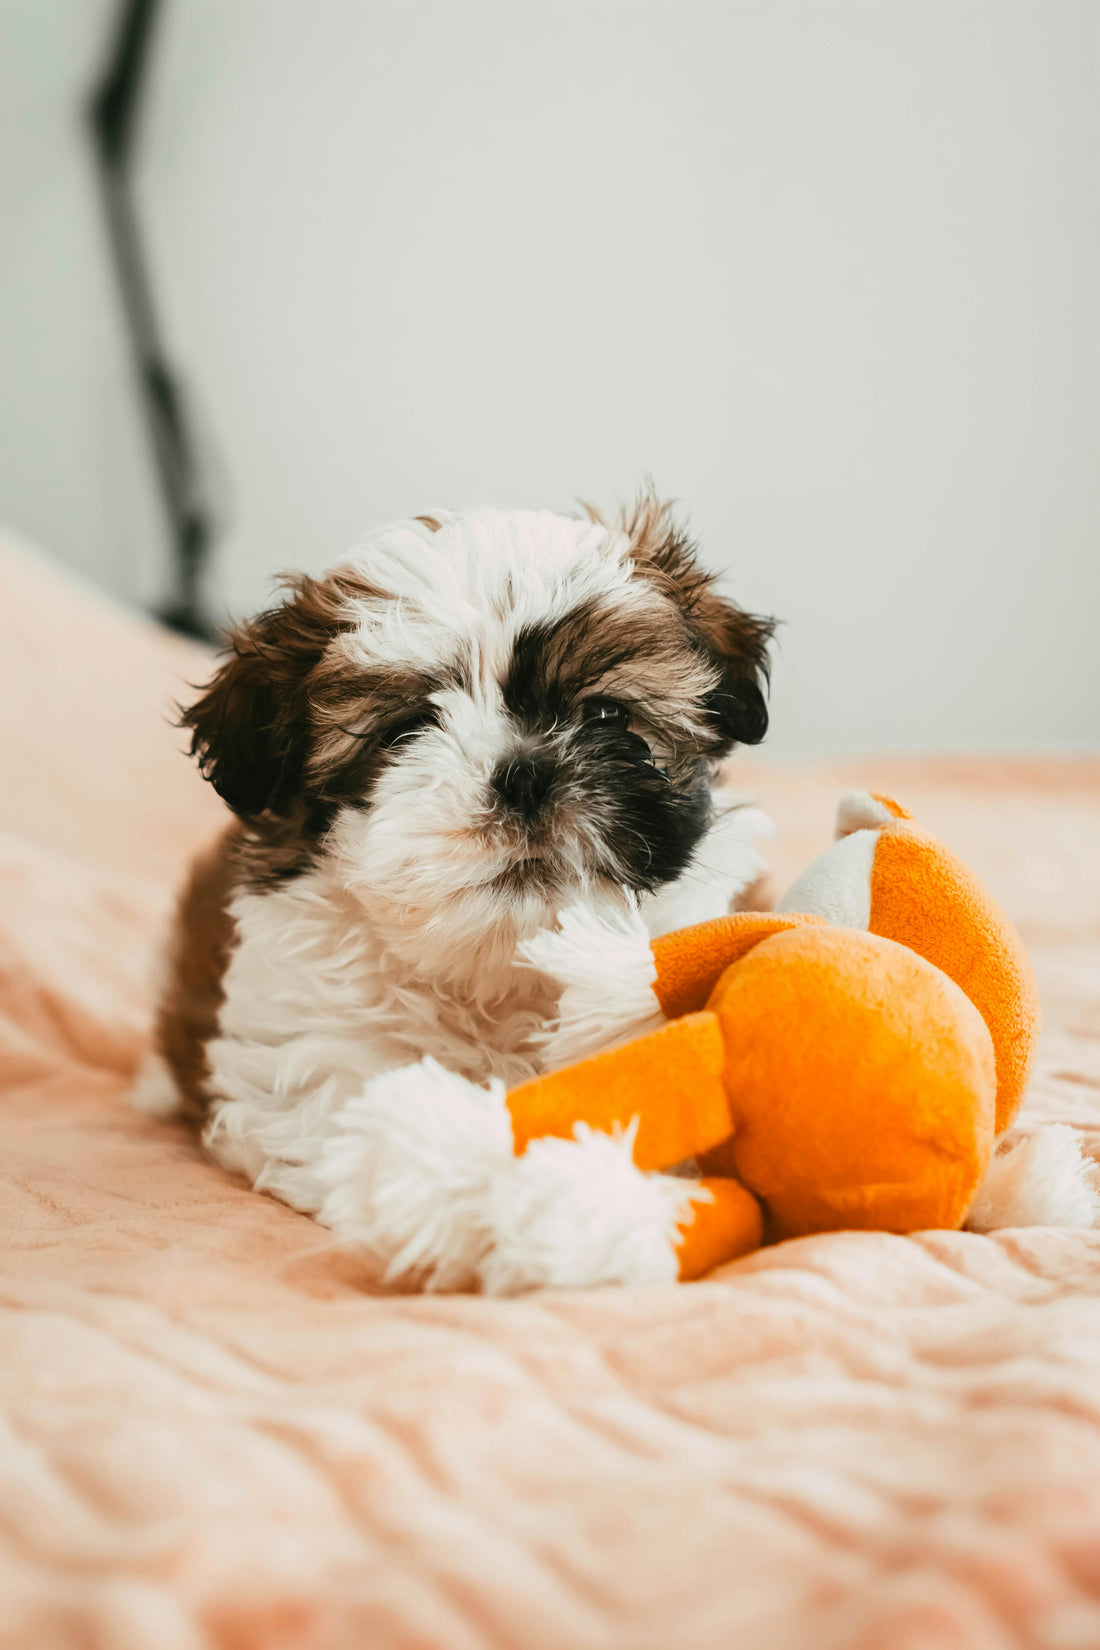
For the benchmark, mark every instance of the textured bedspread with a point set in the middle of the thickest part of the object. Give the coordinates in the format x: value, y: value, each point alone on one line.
x: 214, y: 1435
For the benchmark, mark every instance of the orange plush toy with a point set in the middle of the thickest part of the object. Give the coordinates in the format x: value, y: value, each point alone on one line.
x: 845, y: 1062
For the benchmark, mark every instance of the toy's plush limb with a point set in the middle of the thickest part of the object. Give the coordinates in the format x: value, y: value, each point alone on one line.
x: 670, y: 1082
x: 725, y: 1222
x: 690, y: 964
x: 837, y: 885
x: 1043, y: 1179
x: 923, y: 897
x: 574, y: 1213
x: 424, y: 1182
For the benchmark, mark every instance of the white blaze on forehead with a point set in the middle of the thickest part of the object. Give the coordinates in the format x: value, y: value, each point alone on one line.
x: 475, y: 583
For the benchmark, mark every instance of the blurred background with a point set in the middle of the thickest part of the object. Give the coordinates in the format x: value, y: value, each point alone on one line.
x: 826, y: 269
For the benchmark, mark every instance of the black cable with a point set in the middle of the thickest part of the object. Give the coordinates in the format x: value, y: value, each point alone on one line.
x: 112, y: 116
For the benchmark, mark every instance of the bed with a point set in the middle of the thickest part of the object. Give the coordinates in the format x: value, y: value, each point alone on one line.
x: 216, y: 1434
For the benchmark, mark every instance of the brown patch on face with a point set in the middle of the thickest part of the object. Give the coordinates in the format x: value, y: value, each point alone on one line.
x: 611, y: 704
x: 358, y: 714
x: 290, y: 729
x: 202, y: 943
x: 430, y: 523
x: 641, y: 654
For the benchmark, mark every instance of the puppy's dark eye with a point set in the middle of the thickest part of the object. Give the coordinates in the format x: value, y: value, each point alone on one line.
x: 611, y: 711
x: 404, y: 728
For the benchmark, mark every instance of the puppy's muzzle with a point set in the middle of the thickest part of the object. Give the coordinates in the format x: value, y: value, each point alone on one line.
x: 522, y: 786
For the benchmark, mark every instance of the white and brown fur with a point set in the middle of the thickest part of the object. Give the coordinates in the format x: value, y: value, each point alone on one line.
x: 472, y: 769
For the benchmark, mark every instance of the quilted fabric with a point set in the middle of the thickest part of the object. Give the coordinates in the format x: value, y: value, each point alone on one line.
x: 216, y: 1435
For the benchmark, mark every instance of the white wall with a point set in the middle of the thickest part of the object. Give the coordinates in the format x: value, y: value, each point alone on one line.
x: 74, y: 470
x: 827, y: 268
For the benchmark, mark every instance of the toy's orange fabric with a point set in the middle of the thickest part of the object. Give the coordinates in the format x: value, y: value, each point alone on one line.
x: 925, y: 898
x: 861, y: 1084
x: 691, y: 961
x: 891, y: 804
x: 730, y: 1224
x: 839, y: 1077
x: 671, y: 1081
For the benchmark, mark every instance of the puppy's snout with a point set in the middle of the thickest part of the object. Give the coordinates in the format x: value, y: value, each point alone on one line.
x: 523, y: 784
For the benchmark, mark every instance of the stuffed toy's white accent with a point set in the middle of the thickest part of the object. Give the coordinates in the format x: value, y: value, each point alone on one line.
x: 573, y: 1213
x: 407, y: 1170
x: 859, y: 811
x: 1043, y: 1179
x: 423, y: 1181
x: 837, y: 886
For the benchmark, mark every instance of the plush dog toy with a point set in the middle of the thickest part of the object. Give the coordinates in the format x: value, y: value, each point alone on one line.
x: 845, y: 1062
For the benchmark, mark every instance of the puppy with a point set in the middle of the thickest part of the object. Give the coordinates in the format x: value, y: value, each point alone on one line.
x: 472, y: 769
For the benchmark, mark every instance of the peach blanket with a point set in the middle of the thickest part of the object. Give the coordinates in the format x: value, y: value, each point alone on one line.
x: 213, y: 1435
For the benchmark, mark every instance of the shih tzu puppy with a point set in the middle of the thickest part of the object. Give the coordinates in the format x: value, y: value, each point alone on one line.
x: 472, y: 769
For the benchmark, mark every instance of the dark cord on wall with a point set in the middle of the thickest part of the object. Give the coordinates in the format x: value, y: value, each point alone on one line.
x: 113, y: 112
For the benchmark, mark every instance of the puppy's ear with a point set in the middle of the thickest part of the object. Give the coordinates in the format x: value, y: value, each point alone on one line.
x: 734, y: 641
x: 738, y: 643
x: 250, y: 730
x: 240, y: 737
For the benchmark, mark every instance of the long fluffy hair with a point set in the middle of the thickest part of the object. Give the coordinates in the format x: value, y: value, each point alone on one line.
x: 473, y: 723
x: 577, y: 683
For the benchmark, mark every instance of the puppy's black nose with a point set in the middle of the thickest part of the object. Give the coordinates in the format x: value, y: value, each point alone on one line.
x: 523, y: 784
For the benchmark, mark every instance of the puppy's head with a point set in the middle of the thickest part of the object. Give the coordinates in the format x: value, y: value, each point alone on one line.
x: 476, y: 718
